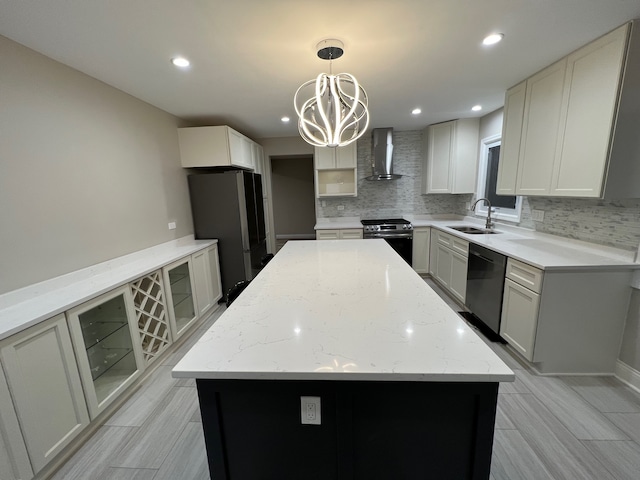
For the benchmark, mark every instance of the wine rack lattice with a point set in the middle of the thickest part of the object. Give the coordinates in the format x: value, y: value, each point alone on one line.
x: 151, y: 314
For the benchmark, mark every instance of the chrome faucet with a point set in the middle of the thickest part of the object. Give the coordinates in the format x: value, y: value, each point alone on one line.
x: 489, y: 224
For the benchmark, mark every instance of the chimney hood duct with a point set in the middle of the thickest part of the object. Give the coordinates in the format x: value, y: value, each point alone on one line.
x: 382, y: 155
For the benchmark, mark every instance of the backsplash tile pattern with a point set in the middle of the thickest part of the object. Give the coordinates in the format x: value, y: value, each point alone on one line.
x: 392, y: 198
x: 611, y: 223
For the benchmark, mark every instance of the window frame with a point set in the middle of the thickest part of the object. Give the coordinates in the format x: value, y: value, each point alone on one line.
x: 507, y: 214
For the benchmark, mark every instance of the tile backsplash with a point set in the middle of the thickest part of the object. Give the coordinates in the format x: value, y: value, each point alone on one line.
x: 612, y: 223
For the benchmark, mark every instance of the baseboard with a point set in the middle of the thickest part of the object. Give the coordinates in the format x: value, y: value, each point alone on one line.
x: 296, y: 236
x: 628, y: 375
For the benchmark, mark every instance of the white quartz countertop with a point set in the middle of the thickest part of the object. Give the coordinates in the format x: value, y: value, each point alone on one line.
x: 337, y: 222
x: 28, y: 306
x: 547, y: 252
x: 341, y: 310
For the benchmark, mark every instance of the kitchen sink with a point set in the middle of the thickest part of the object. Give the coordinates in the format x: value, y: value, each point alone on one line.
x: 473, y: 230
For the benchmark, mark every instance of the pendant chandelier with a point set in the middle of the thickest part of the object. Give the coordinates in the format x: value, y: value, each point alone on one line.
x: 332, y: 109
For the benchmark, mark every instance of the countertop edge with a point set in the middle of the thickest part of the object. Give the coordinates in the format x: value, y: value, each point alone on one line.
x: 33, y: 304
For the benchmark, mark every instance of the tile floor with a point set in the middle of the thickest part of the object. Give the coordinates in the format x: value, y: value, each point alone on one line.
x: 561, y: 428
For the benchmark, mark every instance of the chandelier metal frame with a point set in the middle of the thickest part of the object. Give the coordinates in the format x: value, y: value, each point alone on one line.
x: 336, y: 112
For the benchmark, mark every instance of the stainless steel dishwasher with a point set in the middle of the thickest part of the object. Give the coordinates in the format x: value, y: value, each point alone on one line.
x: 485, y: 283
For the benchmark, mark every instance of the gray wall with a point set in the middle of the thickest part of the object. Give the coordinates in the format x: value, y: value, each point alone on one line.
x: 87, y: 172
x: 293, y: 197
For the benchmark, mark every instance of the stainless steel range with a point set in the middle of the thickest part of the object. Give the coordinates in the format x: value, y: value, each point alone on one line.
x: 398, y: 233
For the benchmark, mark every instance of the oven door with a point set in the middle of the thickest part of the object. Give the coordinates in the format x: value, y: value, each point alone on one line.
x: 400, y: 242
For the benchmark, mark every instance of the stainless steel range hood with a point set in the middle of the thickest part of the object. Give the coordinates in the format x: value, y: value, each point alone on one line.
x: 382, y: 155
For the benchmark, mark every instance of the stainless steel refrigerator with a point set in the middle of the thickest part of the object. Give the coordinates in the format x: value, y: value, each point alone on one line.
x: 228, y: 206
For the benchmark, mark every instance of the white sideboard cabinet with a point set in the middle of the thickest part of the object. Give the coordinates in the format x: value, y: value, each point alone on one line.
x: 179, y: 282
x: 107, y: 344
x: 14, y: 460
x: 206, y: 273
x: 45, y: 386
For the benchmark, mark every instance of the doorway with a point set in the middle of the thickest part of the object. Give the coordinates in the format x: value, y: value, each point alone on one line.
x: 293, y: 198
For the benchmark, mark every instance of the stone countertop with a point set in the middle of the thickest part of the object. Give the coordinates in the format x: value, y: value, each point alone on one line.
x: 544, y: 251
x: 337, y: 223
x: 22, y: 308
x: 341, y: 310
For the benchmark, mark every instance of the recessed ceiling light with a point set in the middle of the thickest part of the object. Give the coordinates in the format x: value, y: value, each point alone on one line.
x: 476, y: 108
x: 285, y: 119
x: 493, y: 38
x: 180, y: 62
x: 416, y: 111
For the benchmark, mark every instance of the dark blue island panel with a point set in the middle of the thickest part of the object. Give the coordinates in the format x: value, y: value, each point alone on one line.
x: 371, y: 430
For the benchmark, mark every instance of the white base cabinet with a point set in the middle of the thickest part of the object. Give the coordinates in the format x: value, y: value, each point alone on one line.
x: 14, y: 460
x: 448, y: 263
x: 519, y: 317
x: 45, y: 386
x: 339, y: 234
x: 179, y: 282
x: 420, y: 255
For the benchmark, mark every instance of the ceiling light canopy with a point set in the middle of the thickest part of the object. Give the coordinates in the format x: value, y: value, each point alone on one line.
x: 332, y: 109
x: 493, y: 38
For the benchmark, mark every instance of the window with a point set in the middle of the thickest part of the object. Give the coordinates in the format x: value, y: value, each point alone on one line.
x: 507, y: 207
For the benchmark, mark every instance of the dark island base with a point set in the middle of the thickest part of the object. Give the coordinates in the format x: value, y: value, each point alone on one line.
x: 369, y: 431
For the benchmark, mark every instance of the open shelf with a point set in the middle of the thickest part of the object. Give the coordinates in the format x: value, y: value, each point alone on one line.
x: 336, y: 183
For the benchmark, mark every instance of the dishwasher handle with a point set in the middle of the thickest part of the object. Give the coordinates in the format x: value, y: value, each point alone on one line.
x: 476, y: 254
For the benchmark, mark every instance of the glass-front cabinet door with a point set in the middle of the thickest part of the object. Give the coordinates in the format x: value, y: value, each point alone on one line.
x: 178, y: 280
x: 109, y: 354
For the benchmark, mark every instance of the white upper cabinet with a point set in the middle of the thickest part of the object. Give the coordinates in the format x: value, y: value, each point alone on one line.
x: 511, y: 132
x: 328, y: 158
x: 540, y: 130
x: 218, y: 146
x: 566, y: 129
x: 589, y: 107
x: 451, y: 156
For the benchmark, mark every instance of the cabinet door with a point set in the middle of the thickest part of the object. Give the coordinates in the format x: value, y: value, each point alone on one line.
x: 152, y: 317
x: 511, y: 134
x: 14, y: 460
x: 179, y: 282
x: 519, y: 317
x: 240, y: 150
x: 591, y: 92
x: 327, y: 234
x: 324, y: 158
x: 458, y: 284
x: 439, y: 154
x: 214, y: 269
x: 346, y: 157
x: 106, y: 340
x: 421, y: 240
x: 45, y: 385
x: 202, y: 281
x: 433, y: 253
x: 539, y: 145
x: 443, y: 266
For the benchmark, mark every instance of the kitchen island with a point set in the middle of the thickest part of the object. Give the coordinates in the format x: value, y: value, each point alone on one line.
x: 407, y: 389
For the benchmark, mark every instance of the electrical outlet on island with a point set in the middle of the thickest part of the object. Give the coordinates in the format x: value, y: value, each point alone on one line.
x: 310, y: 410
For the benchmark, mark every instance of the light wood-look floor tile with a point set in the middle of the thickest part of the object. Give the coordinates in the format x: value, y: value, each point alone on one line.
x: 564, y: 457
x: 629, y: 423
x: 621, y: 458
x: 136, y: 410
x: 93, y: 458
x: 517, y: 386
x: 188, y: 459
x: 514, y: 460
x: 154, y: 440
x: 582, y: 419
x: 607, y: 394
x: 113, y: 473
x: 502, y: 421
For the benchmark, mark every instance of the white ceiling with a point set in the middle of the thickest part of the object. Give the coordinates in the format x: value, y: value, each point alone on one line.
x: 249, y: 56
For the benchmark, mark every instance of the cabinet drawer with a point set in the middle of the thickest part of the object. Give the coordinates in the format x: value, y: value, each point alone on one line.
x: 525, y: 275
x: 454, y: 243
x: 351, y: 234
x: 327, y: 234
